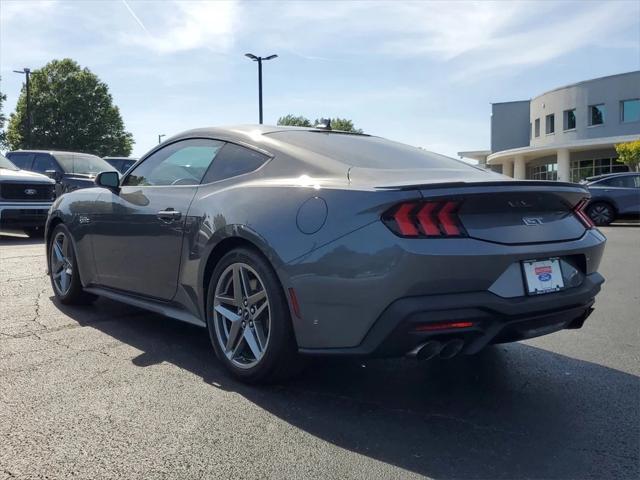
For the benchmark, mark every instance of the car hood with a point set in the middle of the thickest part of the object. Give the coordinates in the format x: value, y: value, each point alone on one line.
x: 23, y: 176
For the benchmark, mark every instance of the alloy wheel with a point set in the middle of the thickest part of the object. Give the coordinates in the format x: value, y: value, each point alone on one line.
x: 601, y: 214
x: 242, y: 315
x: 61, y: 263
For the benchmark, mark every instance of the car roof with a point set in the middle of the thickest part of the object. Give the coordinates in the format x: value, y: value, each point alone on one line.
x: 52, y: 152
x: 244, y: 133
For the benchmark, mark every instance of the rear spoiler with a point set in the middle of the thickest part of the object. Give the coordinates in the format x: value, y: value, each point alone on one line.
x: 504, y: 184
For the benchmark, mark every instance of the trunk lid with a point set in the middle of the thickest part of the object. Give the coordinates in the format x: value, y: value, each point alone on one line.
x: 498, y: 209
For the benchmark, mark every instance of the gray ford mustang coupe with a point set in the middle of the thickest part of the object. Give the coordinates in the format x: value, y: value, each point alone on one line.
x: 285, y: 242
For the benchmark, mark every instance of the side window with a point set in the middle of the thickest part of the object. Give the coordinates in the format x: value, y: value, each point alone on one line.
x: 22, y: 160
x: 181, y: 163
x: 44, y: 162
x: 636, y: 180
x: 624, y: 182
x: 234, y: 160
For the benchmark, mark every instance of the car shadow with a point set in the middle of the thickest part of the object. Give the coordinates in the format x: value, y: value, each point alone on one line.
x: 7, y: 239
x: 513, y: 411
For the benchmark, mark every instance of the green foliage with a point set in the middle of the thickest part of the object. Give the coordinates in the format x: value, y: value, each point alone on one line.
x: 629, y: 154
x: 3, y: 134
x: 293, y: 121
x: 343, y: 124
x: 337, y: 123
x: 71, y: 109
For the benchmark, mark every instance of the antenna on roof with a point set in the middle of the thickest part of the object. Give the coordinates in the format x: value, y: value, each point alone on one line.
x: 323, y: 124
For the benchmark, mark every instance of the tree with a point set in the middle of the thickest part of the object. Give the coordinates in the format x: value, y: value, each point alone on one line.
x: 629, y: 154
x: 337, y: 123
x: 343, y: 124
x: 3, y: 134
x: 293, y: 121
x: 71, y: 109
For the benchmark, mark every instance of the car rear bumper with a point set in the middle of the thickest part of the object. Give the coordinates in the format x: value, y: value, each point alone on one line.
x: 493, y: 319
x: 23, y: 214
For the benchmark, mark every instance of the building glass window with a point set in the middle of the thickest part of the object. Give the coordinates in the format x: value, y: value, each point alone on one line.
x: 596, y: 114
x: 537, y: 123
x: 570, y: 119
x: 543, y: 172
x: 630, y: 110
x: 581, y: 169
x: 550, y: 124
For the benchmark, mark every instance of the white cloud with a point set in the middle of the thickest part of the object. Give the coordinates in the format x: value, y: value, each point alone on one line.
x: 181, y: 25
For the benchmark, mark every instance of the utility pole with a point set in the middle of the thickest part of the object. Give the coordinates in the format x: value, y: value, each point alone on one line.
x: 27, y: 72
x: 160, y: 138
x: 259, y: 60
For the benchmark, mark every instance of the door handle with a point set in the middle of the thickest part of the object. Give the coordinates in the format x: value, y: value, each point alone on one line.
x: 169, y: 215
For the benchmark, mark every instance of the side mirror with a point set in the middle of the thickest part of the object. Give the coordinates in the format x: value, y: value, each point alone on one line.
x: 110, y: 180
x: 53, y: 174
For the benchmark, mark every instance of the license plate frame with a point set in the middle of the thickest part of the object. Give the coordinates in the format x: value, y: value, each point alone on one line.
x: 542, y: 276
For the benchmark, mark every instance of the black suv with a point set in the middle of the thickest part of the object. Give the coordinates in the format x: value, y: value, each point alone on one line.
x: 70, y: 170
x: 122, y: 164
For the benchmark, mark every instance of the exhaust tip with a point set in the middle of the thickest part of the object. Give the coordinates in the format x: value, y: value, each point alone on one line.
x: 451, y: 349
x: 427, y: 351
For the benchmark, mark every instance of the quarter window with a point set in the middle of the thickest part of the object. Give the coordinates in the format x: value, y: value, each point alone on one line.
x: 234, y: 160
x: 550, y: 124
x: 537, y: 127
x: 596, y: 114
x: 570, y: 119
x: 180, y: 163
x: 630, y: 110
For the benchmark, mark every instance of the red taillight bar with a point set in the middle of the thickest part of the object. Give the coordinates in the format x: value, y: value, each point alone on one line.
x: 429, y: 327
x: 425, y: 219
x: 405, y: 224
x: 579, y: 212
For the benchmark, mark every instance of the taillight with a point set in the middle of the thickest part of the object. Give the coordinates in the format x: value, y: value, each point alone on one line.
x: 579, y: 211
x: 430, y: 219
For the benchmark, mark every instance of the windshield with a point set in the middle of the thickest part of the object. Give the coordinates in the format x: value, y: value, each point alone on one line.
x: 82, y: 163
x: 6, y: 163
x: 368, y: 152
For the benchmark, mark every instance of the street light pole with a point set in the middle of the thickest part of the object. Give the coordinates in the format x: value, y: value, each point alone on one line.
x: 27, y: 73
x: 255, y: 58
x: 160, y: 138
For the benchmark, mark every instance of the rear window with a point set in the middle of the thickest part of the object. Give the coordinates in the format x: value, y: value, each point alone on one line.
x: 368, y: 152
x: 82, y: 163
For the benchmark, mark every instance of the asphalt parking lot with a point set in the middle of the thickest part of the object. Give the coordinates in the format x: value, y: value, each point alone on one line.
x: 110, y: 391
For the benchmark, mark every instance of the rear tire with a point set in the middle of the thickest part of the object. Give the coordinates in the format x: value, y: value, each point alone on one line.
x: 63, y: 269
x: 601, y: 213
x: 248, y: 319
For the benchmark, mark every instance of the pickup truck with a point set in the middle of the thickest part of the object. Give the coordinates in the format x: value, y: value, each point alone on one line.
x: 25, y: 198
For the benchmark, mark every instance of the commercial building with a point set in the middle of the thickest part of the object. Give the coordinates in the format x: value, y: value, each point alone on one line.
x: 568, y: 133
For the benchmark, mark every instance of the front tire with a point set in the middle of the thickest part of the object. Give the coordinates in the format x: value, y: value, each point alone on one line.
x: 601, y: 213
x: 63, y: 269
x: 248, y: 319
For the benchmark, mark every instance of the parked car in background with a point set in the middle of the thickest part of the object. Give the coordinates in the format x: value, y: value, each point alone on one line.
x: 286, y: 241
x: 25, y: 198
x: 122, y: 164
x: 613, y: 196
x: 70, y: 170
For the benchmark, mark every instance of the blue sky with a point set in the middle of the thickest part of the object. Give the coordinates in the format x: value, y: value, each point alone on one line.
x: 421, y: 72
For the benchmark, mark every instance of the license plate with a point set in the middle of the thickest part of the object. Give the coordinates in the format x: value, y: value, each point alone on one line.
x: 543, y: 276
